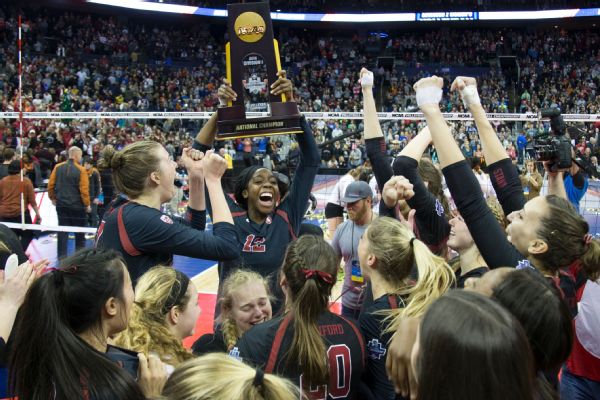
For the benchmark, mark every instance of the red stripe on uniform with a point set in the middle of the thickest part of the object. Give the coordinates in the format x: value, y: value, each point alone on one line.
x: 125, y: 242
x: 359, y: 336
x: 277, y: 344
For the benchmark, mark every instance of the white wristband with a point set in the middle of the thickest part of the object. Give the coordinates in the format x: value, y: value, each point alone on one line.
x: 429, y: 95
x: 222, y: 103
x: 470, y: 96
x: 367, y: 79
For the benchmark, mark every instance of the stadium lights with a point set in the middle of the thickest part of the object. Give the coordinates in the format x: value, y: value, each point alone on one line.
x: 354, y: 18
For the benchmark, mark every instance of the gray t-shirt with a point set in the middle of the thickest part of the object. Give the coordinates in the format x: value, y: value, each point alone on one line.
x: 345, y: 243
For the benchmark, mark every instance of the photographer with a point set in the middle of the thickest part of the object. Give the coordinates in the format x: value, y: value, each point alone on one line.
x: 576, y: 184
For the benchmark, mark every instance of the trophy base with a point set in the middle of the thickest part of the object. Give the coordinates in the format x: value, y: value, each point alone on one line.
x: 233, y: 124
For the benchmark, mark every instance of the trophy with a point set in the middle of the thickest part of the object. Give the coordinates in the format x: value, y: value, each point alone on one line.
x: 252, y: 65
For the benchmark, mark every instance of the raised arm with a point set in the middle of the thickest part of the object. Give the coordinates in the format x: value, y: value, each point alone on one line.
x: 372, y: 127
x: 206, y: 136
x: 374, y: 141
x: 493, y: 151
x: 466, y: 191
x: 429, y: 94
x: 431, y: 224
x: 304, y: 177
x: 214, y: 167
x: 503, y: 174
x: 192, y: 160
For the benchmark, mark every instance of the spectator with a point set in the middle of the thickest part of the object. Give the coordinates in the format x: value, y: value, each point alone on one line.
x: 68, y: 189
x: 8, y: 155
x: 11, y: 189
x: 95, y: 190
x: 531, y: 180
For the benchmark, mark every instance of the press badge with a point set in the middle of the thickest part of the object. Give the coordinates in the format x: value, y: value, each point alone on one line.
x: 356, y: 273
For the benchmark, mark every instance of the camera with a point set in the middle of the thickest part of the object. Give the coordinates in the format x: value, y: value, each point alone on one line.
x: 555, y: 147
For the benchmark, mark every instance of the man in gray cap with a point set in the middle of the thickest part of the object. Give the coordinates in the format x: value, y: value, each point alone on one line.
x: 359, y: 200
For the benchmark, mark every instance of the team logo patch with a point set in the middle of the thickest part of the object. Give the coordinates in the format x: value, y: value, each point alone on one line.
x: 235, y: 353
x: 439, y: 208
x: 376, y: 349
x: 166, y: 219
x: 269, y: 220
x: 523, y: 264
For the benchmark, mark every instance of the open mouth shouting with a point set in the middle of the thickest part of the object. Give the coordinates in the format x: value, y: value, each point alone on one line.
x: 266, y: 199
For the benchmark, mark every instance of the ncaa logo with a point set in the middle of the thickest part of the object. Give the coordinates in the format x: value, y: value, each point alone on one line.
x: 166, y: 219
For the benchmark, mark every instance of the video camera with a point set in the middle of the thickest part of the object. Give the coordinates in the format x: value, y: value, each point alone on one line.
x: 556, y: 146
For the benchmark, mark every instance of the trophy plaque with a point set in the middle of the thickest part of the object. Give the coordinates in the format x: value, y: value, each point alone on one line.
x: 252, y: 65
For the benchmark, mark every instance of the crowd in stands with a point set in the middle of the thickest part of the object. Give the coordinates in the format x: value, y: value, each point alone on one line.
x: 75, y: 62
x: 522, y: 276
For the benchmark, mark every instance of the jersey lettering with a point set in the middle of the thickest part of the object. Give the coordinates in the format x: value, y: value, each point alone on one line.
x: 254, y: 244
x: 340, y: 367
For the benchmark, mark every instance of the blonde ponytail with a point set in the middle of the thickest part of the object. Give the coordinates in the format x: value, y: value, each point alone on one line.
x: 217, y: 376
x: 231, y: 333
x: 435, y: 278
x: 396, y: 250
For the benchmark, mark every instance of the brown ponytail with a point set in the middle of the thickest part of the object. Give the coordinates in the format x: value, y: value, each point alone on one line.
x: 310, y: 297
x: 565, y: 232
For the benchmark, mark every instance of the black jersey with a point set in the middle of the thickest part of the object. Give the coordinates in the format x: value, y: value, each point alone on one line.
x: 147, y: 237
x: 262, y: 246
x: 210, y: 343
x: 372, y: 326
x: 474, y: 273
x: 266, y: 345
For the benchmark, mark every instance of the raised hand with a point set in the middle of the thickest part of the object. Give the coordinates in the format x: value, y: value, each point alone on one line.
x: 396, y: 189
x: 429, y: 90
x: 283, y: 86
x: 152, y: 375
x: 366, y: 79
x: 226, y: 93
x: 192, y: 161
x: 467, y: 87
x: 214, y: 165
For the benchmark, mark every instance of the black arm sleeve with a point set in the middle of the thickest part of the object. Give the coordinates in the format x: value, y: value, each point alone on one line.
x: 432, y: 225
x: 196, y: 145
x: 488, y: 235
x: 302, y: 183
x: 196, y: 218
x: 376, y: 151
x: 155, y: 233
x: 507, y: 184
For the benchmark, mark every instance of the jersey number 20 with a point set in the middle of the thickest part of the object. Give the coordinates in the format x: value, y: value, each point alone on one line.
x: 340, y: 367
